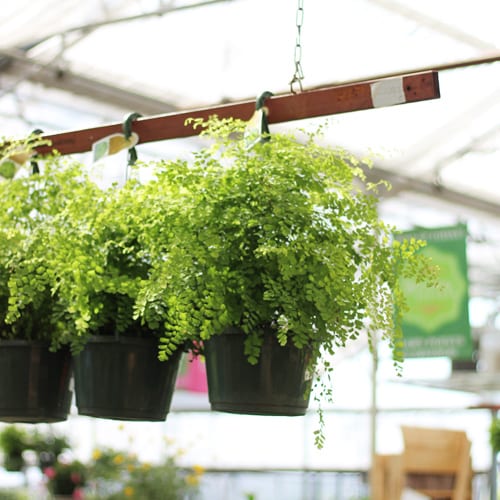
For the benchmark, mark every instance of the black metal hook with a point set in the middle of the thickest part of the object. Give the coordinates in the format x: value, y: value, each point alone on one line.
x: 127, y: 132
x: 260, y: 106
x: 35, y: 169
x: 262, y: 98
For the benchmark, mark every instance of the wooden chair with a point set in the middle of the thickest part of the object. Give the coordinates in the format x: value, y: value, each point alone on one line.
x: 386, y: 478
x: 437, y: 463
x: 434, y: 462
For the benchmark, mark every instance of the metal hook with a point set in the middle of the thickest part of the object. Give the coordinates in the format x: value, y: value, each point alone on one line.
x: 264, y: 120
x: 259, y: 121
x: 35, y: 169
x: 262, y: 98
x: 293, y: 81
x: 127, y: 132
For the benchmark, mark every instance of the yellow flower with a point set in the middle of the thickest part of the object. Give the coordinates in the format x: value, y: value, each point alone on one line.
x: 146, y: 466
x: 118, y: 459
x: 192, y: 480
x: 128, y: 491
x: 198, y: 470
x: 96, y: 454
x: 130, y: 467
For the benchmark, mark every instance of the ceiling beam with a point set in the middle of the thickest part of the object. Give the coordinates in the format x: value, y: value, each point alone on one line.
x: 486, y: 58
x: 474, y: 145
x: 162, y: 11
x: 434, y: 190
x: 439, y: 26
x: 16, y: 64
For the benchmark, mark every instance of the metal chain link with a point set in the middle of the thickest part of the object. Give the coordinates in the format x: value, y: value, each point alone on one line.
x: 298, y: 75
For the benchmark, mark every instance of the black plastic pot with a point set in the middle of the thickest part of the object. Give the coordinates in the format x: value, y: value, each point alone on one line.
x: 278, y: 385
x: 34, y: 382
x: 13, y: 462
x: 122, y: 378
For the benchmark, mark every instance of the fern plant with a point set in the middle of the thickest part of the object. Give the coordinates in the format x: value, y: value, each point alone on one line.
x: 90, y: 258
x: 285, y: 235
x: 28, y: 204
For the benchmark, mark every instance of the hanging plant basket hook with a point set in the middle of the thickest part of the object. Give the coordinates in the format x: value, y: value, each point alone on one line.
x: 259, y: 123
x: 35, y: 169
x: 127, y: 132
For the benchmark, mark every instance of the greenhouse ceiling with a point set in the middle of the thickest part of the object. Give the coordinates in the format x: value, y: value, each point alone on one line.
x: 67, y: 64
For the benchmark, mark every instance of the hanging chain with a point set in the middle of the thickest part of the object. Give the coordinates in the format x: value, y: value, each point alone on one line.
x: 298, y: 76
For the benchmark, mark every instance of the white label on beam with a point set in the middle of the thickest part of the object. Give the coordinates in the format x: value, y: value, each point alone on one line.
x: 387, y: 92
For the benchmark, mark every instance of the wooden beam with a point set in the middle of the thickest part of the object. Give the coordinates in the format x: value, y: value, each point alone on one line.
x: 282, y: 108
x: 50, y: 76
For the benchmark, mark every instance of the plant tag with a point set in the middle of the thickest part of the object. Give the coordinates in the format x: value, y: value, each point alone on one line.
x: 112, y: 144
x: 110, y: 170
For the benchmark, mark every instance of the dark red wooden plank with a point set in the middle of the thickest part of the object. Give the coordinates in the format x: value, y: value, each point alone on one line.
x: 282, y: 108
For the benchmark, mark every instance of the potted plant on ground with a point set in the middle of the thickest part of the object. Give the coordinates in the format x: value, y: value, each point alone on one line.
x: 273, y: 250
x: 94, y: 264
x: 35, y: 368
x: 14, y: 440
x: 66, y: 479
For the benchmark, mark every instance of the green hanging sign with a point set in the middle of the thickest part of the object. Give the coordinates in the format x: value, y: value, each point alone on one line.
x: 437, y: 323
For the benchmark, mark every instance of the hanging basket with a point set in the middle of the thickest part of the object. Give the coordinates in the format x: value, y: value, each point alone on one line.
x: 122, y: 378
x: 34, y: 382
x: 279, y: 384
